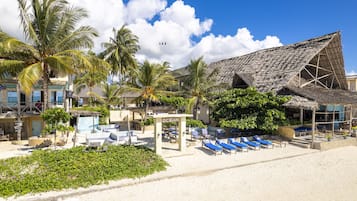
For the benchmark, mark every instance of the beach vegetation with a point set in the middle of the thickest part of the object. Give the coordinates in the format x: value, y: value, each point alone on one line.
x: 249, y: 109
x: 48, y: 170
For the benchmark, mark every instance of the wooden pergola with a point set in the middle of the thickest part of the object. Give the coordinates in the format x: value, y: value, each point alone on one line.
x: 158, y: 119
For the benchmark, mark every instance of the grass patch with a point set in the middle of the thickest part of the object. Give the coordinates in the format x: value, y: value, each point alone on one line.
x: 47, y: 170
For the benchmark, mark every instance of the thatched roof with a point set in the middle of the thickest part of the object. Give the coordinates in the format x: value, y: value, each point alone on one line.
x: 272, y: 69
x: 300, y: 102
x: 326, y: 96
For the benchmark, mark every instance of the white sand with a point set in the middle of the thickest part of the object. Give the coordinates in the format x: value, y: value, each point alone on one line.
x: 284, y: 174
x: 327, y: 176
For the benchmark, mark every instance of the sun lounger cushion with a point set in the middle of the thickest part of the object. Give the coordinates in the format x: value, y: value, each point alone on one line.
x: 246, y: 141
x: 264, y: 142
x: 211, y: 146
x: 237, y: 144
x: 225, y: 145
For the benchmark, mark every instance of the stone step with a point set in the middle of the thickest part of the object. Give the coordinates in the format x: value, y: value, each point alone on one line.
x: 301, y: 144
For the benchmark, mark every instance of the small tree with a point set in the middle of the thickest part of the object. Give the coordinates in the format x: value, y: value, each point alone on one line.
x: 56, y: 119
x: 249, y: 109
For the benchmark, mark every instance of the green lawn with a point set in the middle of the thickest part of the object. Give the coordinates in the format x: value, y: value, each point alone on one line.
x: 46, y: 170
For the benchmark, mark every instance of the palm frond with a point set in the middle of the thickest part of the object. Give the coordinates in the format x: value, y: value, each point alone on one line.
x: 29, y: 76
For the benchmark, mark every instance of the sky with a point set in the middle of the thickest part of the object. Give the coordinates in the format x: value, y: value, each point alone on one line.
x: 179, y: 31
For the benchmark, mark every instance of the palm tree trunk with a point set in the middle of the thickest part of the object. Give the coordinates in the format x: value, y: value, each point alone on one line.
x: 45, y: 86
x: 195, y: 114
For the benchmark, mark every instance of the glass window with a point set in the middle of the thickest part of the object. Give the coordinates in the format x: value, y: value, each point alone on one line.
x: 36, y: 96
x: 59, y: 97
x: 11, y: 98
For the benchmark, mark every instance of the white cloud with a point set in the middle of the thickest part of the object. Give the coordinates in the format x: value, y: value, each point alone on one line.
x: 219, y: 47
x: 143, y: 9
x: 9, y: 20
x: 165, y: 31
x: 352, y: 72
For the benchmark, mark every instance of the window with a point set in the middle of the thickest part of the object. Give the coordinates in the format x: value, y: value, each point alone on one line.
x: 57, y: 97
x: 36, y: 96
x: 11, y: 98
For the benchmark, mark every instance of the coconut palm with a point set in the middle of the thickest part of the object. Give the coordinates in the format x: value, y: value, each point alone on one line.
x: 111, y: 95
x: 120, y: 51
x: 151, y: 80
x: 94, y: 74
x: 52, y: 44
x: 199, y: 83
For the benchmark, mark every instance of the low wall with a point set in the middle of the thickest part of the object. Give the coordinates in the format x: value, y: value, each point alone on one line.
x: 335, y: 144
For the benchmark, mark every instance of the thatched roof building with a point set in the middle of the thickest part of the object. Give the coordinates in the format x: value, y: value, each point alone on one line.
x: 312, y: 71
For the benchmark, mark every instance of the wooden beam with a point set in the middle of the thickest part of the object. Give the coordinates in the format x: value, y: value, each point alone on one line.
x: 319, y: 67
x: 332, y: 67
x: 313, y: 126
x: 316, y: 80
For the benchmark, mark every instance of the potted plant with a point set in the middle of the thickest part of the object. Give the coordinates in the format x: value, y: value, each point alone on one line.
x: 328, y: 136
x: 354, y: 131
x: 345, y: 134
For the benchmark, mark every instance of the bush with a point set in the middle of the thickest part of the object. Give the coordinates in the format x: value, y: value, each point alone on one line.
x: 47, y: 170
x: 195, y: 123
x: 104, y: 112
x: 149, y: 121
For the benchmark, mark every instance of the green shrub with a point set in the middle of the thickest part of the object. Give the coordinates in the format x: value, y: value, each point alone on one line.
x: 47, y: 170
x: 149, y: 121
x: 104, y: 112
x: 195, y: 123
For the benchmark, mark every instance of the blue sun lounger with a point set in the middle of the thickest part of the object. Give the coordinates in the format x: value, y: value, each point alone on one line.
x: 216, y: 149
x: 240, y: 146
x: 228, y: 147
x: 264, y: 143
x: 252, y: 145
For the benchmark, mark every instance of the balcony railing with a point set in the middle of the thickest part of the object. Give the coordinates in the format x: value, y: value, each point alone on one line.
x: 27, y: 107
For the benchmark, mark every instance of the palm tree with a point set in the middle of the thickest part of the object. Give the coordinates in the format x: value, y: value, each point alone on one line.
x: 120, y: 51
x: 151, y: 80
x: 53, y: 44
x: 95, y: 74
x: 111, y: 95
x: 199, y: 83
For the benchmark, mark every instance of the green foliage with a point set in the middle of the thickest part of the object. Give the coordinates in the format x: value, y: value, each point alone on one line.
x: 249, y: 109
x: 55, y: 119
x: 47, y: 170
x: 149, y: 121
x: 195, y: 123
x: 175, y: 101
x: 104, y: 112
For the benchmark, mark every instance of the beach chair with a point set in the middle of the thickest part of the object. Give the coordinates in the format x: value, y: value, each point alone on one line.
x: 195, y: 135
x: 205, y: 134
x: 264, y: 143
x: 216, y: 149
x: 240, y: 146
x: 220, y: 133
x: 227, y: 147
x: 252, y: 145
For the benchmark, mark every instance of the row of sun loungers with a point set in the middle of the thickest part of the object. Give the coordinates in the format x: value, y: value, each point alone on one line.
x: 232, y: 146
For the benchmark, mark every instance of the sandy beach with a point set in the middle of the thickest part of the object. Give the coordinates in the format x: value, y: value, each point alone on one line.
x: 326, y: 176
x: 285, y: 174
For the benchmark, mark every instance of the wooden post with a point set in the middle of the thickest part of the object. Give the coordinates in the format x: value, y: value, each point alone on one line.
x: 333, y: 120
x: 182, y: 134
x: 301, y: 116
x: 351, y: 117
x: 157, y: 136
x: 313, y: 125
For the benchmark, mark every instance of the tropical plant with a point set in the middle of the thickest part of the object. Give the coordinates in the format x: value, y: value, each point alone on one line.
x: 120, y: 51
x: 111, y: 95
x: 174, y: 101
x: 56, y: 119
x: 151, y: 80
x: 199, y: 83
x: 249, y: 109
x: 54, y: 40
x: 195, y: 123
x: 94, y: 74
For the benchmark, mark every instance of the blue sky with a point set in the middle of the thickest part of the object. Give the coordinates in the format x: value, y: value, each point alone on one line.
x: 211, y: 28
x: 290, y: 21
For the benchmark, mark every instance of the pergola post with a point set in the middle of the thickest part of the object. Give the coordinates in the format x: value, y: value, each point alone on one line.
x: 333, y: 120
x: 157, y: 137
x: 313, y: 125
x: 182, y: 133
x: 302, y: 116
x: 351, y: 117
